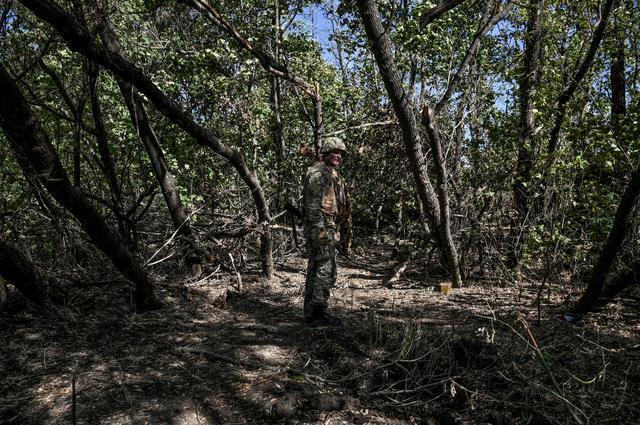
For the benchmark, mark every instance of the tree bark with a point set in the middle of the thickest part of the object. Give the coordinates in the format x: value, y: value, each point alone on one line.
x: 435, y: 12
x: 107, y: 163
x: 443, y: 197
x: 81, y: 40
x: 528, y: 85
x: 622, y: 281
x: 28, y: 140
x: 382, y: 50
x: 18, y: 270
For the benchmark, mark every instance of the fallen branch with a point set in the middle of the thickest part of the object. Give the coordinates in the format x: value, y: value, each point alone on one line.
x: 399, y: 270
x: 235, y: 233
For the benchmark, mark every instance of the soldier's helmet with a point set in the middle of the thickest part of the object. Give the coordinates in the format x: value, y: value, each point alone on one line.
x: 332, y: 144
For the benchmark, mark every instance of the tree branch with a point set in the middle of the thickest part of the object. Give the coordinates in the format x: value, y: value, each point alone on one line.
x: 471, y: 52
x: 435, y: 12
x: 268, y: 62
x: 576, y: 78
x: 362, y: 127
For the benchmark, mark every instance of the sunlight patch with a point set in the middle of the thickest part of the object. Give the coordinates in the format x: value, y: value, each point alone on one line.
x: 272, y: 354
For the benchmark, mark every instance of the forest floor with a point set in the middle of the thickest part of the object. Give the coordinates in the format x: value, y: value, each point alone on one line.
x: 405, y: 354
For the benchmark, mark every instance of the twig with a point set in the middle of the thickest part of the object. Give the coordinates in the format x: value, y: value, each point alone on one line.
x: 362, y: 127
x: 206, y: 277
x: 147, y: 263
x: 159, y: 261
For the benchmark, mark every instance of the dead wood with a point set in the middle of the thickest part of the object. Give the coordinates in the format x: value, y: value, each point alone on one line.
x: 398, y: 272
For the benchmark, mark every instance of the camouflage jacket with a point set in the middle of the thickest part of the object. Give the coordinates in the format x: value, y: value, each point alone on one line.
x: 323, y: 196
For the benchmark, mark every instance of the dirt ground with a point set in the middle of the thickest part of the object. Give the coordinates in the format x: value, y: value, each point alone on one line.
x: 405, y: 354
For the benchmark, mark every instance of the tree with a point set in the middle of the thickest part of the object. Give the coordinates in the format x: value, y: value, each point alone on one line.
x: 404, y: 109
x: 528, y: 82
x: 30, y: 142
x: 621, y: 230
x: 80, y: 39
x: 194, y: 254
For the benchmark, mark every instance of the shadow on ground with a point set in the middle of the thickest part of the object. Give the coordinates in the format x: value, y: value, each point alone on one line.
x: 405, y: 354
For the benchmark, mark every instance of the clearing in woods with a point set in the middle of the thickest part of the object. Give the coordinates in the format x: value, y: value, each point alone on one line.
x: 405, y: 354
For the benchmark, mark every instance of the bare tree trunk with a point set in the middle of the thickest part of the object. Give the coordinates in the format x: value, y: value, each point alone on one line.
x: 165, y: 178
x: 18, y: 270
x: 622, y: 225
x: 28, y: 139
x: 282, y: 195
x: 443, y: 197
x: 382, y: 50
x: 106, y: 159
x: 528, y: 85
x: 80, y: 39
x: 626, y: 279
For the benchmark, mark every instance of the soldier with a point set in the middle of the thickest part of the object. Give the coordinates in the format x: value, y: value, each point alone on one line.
x: 323, y: 197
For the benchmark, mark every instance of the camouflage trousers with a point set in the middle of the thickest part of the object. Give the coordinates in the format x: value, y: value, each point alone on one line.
x: 321, y: 273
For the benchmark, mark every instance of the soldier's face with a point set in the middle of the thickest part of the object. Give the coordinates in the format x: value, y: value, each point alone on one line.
x: 334, y: 158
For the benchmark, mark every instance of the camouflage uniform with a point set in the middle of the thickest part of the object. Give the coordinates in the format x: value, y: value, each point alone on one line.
x: 324, y: 193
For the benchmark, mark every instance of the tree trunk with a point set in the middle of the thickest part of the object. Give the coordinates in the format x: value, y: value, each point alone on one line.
x: 617, y: 79
x: 528, y: 86
x: 106, y: 159
x: 28, y: 139
x: 165, y: 178
x: 18, y: 270
x: 626, y: 279
x: 276, y: 125
x: 622, y: 226
x: 623, y: 221
x: 81, y: 40
x: 382, y: 50
x: 318, y: 123
x: 443, y: 197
